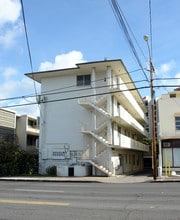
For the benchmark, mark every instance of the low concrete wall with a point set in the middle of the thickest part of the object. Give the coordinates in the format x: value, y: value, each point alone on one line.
x: 77, y: 170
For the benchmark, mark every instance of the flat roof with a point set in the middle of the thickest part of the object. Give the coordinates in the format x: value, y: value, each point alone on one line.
x: 117, y: 66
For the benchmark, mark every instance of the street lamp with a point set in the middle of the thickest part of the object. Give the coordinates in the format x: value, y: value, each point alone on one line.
x: 151, y: 69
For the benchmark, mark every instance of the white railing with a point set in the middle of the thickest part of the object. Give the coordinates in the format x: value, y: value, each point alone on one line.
x: 130, y: 120
x: 129, y: 143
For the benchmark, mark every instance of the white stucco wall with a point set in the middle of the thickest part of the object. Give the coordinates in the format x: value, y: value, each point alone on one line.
x: 168, y: 108
x: 62, y: 121
x: 78, y: 170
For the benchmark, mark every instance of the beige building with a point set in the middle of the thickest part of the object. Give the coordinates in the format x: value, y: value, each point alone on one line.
x: 23, y: 129
x: 169, y: 131
x: 27, y: 131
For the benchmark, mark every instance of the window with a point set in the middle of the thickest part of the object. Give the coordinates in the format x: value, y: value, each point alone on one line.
x: 177, y: 121
x: 83, y: 80
x: 31, y: 140
x: 166, y: 144
x: 173, y: 95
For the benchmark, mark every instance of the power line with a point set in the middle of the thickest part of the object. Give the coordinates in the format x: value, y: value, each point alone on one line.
x: 75, y: 97
x: 67, y: 87
x: 57, y: 91
x: 85, y: 96
x: 118, y: 14
x: 28, y: 45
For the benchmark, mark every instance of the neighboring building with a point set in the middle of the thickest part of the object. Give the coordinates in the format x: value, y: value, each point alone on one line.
x: 169, y: 131
x: 92, y: 116
x: 7, y: 124
x: 148, y: 104
x: 27, y: 131
x: 22, y: 129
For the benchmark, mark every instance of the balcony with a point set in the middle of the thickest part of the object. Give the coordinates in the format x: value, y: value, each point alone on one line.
x: 124, y: 118
x: 34, y: 130
x: 129, y: 102
x: 125, y: 142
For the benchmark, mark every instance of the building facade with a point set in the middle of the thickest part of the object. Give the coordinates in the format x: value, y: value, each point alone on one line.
x: 169, y: 131
x: 27, y: 132
x: 7, y: 124
x: 92, y: 120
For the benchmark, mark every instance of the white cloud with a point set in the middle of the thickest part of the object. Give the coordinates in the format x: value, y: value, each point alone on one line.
x: 25, y: 108
x: 9, y: 11
x: 10, y: 25
x: 9, y: 72
x: 19, y: 88
x: 67, y: 60
x: 165, y: 68
x: 9, y: 35
x: 169, y: 75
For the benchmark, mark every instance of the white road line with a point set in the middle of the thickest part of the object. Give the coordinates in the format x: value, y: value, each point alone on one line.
x: 39, y: 190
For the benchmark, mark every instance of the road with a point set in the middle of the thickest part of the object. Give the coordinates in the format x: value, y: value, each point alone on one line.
x: 89, y: 201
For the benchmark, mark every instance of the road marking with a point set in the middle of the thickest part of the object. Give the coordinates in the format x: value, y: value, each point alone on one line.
x: 33, y: 202
x: 39, y: 190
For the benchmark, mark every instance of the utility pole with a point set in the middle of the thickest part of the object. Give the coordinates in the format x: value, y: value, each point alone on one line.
x: 153, y: 121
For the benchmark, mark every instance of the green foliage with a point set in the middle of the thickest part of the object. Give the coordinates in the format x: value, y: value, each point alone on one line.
x: 15, y: 161
x: 147, y: 141
x: 51, y: 171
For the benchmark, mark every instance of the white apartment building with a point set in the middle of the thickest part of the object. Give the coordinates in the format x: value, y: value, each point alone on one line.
x: 27, y: 132
x: 169, y: 131
x: 92, y: 120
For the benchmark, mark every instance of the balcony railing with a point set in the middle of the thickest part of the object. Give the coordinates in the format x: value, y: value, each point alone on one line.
x: 129, y: 143
x: 129, y: 120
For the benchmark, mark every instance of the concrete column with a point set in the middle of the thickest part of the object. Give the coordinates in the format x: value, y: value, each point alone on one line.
x: 109, y: 76
x: 93, y: 83
x: 109, y: 104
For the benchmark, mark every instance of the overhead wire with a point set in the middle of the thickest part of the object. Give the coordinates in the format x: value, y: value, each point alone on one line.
x: 59, y: 90
x: 28, y: 45
x: 62, y: 88
x: 85, y: 96
x: 120, y: 19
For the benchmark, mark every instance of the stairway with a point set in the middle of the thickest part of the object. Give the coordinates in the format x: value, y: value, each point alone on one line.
x: 99, y: 138
x: 100, y: 167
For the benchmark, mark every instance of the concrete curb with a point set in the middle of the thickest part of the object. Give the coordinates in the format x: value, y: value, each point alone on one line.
x: 118, y: 179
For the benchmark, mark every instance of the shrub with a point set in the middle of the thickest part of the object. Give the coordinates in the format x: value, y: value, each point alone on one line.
x: 15, y: 161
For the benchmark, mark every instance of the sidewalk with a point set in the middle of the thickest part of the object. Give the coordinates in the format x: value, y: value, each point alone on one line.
x: 93, y: 179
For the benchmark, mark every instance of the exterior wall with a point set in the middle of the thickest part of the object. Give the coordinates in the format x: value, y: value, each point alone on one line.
x: 169, y: 136
x: 167, y: 116
x: 76, y: 171
x: 65, y: 120
x: 126, y: 161
x: 26, y: 133
x: 7, y: 123
x: 21, y: 131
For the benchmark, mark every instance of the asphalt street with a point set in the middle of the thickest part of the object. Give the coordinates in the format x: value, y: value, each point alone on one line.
x: 87, y: 201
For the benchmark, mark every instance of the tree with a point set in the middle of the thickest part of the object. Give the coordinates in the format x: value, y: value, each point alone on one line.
x: 15, y: 161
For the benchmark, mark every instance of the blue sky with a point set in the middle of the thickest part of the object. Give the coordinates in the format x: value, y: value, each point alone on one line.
x: 64, y: 32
